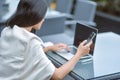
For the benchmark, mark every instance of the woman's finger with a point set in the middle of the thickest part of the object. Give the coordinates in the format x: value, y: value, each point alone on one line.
x: 84, y: 42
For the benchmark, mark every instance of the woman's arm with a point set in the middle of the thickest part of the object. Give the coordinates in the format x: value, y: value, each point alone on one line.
x: 62, y: 71
x: 46, y: 49
x: 56, y: 47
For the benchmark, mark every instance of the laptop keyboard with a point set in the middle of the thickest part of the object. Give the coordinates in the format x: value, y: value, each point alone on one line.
x: 73, y: 50
x: 68, y: 55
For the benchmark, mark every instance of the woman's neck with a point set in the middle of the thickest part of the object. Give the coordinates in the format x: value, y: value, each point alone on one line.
x: 28, y: 28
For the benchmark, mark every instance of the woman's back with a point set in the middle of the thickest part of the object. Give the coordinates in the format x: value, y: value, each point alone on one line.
x: 21, y: 56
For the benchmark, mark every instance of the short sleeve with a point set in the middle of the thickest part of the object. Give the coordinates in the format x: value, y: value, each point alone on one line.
x: 45, y: 68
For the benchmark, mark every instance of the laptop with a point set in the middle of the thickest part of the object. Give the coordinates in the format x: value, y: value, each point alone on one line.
x: 82, y: 32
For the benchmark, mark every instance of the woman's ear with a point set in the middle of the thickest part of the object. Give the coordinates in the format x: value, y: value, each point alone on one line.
x: 38, y: 25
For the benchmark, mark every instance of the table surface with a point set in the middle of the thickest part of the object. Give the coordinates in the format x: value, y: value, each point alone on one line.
x: 107, y: 54
x: 105, y: 60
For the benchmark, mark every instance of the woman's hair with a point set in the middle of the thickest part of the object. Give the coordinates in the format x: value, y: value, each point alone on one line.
x: 28, y: 13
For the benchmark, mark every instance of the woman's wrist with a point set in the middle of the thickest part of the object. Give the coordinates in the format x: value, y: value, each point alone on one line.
x: 78, y: 55
x: 49, y: 48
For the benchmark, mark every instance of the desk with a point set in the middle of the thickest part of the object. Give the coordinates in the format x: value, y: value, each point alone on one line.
x: 107, y: 54
x: 105, y: 60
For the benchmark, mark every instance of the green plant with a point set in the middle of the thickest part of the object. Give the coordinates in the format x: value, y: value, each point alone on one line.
x: 109, y: 6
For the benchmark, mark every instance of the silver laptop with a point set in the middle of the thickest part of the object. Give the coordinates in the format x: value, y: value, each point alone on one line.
x: 82, y: 32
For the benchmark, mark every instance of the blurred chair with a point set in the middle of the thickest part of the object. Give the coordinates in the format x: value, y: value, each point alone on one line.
x: 64, y: 6
x: 3, y: 8
x: 54, y: 23
x: 1, y: 28
x: 84, y: 12
x: 49, y: 2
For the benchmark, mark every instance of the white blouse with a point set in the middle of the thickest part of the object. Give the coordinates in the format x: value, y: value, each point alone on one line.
x: 22, y: 56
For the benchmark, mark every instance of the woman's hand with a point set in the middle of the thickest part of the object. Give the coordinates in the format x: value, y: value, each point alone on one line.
x: 83, y: 49
x: 57, y: 47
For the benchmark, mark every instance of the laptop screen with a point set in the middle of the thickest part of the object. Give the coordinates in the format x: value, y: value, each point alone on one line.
x: 82, y: 32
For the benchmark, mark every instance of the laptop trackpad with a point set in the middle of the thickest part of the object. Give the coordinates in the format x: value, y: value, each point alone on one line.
x: 73, y: 50
x: 67, y: 55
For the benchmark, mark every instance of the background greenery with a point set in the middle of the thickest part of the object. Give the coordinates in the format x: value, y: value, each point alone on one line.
x: 109, y: 6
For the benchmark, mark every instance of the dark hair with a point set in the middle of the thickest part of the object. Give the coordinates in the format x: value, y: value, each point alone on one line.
x: 28, y: 13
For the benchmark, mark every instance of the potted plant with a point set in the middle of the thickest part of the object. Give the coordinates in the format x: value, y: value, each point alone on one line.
x: 108, y: 13
x: 109, y: 6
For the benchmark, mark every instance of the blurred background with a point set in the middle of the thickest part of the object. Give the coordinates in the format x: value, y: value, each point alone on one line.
x: 102, y: 14
x: 107, y: 14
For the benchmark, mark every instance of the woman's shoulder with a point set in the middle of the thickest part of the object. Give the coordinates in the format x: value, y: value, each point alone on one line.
x: 24, y: 34
x: 20, y: 34
x: 5, y: 30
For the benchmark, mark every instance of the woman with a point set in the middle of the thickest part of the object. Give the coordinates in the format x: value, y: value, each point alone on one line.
x: 21, y: 54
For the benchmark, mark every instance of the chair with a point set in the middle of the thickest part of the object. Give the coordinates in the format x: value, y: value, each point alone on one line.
x: 64, y: 6
x: 2, y: 8
x: 54, y: 24
x: 49, y: 2
x: 84, y: 12
x: 3, y: 11
x: 1, y: 28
